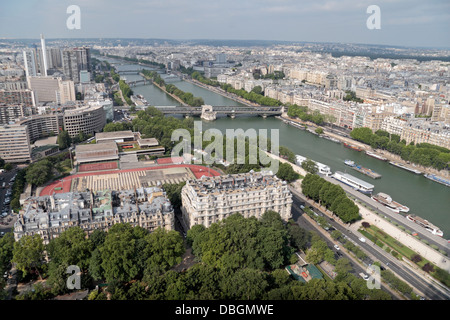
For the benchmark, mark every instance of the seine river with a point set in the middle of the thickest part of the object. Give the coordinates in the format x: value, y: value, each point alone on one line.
x: 425, y: 198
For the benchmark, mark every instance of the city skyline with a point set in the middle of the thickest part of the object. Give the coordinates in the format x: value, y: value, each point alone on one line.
x: 409, y: 24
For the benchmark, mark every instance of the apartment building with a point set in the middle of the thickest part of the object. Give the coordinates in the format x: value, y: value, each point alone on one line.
x: 9, y: 113
x: 89, y: 119
x: 25, y: 97
x: 426, y: 131
x: 15, y: 143
x: 42, y: 125
x: 211, y: 199
x: 393, y: 125
x: 51, y: 215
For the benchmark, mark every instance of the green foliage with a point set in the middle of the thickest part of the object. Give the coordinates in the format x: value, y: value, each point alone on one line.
x: 310, y: 166
x: 423, y: 154
x: 286, y: 172
x: 251, y: 96
x: 173, y: 192
x: 301, y: 112
x: 237, y: 242
x: 333, y: 197
x: 28, y: 253
x: 64, y: 140
x: 351, y: 96
x: 39, y: 173
x: 299, y: 237
x: 6, y: 251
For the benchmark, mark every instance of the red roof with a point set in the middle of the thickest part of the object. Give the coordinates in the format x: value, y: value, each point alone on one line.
x: 170, y: 160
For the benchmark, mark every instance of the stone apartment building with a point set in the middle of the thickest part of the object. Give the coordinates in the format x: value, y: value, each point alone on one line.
x: 51, y: 215
x: 211, y: 199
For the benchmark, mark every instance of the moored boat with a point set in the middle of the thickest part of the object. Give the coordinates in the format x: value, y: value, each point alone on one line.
x: 426, y: 224
x: 438, y: 179
x: 350, y: 146
x: 387, y: 201
x: 376, y: 156
x: 355, y: 183
x: 350, y: 163
x: 399, y: 165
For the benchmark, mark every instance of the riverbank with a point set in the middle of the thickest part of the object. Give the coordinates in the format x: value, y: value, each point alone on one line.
x: 164, y: 90
x: 390, y: 156
x: 223, y: 93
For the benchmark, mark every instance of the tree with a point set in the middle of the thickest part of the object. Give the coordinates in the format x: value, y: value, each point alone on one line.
x: 118, y: 254
x: 286, y: 172
x: 28, y: 253
x: 319, y: 131
x: 70, y: 248
x: 6, y: 251
x: 39, y: 172
x: 64, y: 140
x: 299, y: 236
x: 163, y: 249
x: 310, y: 166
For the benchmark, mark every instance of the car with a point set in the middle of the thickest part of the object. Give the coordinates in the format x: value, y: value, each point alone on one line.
x: 337, y: 247
x: 2, y: 234
x: 364, y: 276
x: 362, y: 239
x: 302, y: 207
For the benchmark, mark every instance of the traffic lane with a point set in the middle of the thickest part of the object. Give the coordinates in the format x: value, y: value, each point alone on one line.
x: 397, y: 217
x: 356, y: 268
x: 391, y: 263
x: 384, y: 258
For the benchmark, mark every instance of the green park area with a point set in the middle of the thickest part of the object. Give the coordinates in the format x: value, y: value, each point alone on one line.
x: 400, y: 251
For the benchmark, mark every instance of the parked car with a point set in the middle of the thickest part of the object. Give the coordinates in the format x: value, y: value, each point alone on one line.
x: 364, y: 276
x: 362, y: 239
x: 337, y: 247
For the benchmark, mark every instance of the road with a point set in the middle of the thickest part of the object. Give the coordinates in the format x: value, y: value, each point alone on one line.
x: 432, y: 239
x: 387, y: 260
x: 5, y: 177
x: 299, y: 217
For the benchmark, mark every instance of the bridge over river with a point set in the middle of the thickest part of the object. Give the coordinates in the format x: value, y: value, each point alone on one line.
x: 210, y: 112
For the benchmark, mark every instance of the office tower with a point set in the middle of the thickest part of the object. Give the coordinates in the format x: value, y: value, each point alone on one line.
x: 46, y: 89
x: 221, y: 58
x: 54, y: 58
x: 44, y: 55
x: 29, y: 63
x: 14, y: 143
x: 85, y: 76
x: 66, y: 91
x: 70, y: 65
x: 83, y: 58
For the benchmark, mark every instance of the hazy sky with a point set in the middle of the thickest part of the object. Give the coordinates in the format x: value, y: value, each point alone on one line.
x: 403, y: 22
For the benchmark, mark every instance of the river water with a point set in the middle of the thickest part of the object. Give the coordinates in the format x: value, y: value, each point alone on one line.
x: 425, y: 198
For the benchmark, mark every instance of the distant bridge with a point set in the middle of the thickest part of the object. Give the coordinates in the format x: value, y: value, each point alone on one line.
x: 231, y: 111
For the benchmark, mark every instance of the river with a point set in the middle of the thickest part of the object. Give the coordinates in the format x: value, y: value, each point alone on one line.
x: 425, y: 198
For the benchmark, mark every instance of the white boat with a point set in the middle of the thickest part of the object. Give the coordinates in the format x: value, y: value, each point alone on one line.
x: 376, y: 156
x: 424, y: 223
x: 322, y: 168
x: 355, y: 183
x: 387, y: 201
x: 350, y: 163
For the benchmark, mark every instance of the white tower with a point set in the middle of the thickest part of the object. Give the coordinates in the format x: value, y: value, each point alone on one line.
x: 44, y: 54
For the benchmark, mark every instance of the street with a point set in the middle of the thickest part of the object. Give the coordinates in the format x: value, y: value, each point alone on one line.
x: 387, y: 260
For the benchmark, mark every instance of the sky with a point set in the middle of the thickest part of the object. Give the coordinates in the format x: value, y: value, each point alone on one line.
x: 424, y: 23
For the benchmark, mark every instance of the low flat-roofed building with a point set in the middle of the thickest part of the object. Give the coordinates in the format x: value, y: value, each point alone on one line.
x: 88, y: 153
x: 150, y: 142
x: 51, y: 215
x: 116, y: 136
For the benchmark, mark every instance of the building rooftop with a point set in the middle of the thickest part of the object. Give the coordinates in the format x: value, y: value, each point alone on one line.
x: 114, y: 135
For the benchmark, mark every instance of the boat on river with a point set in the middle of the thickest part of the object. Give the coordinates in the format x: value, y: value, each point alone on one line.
x: 387, y: 201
